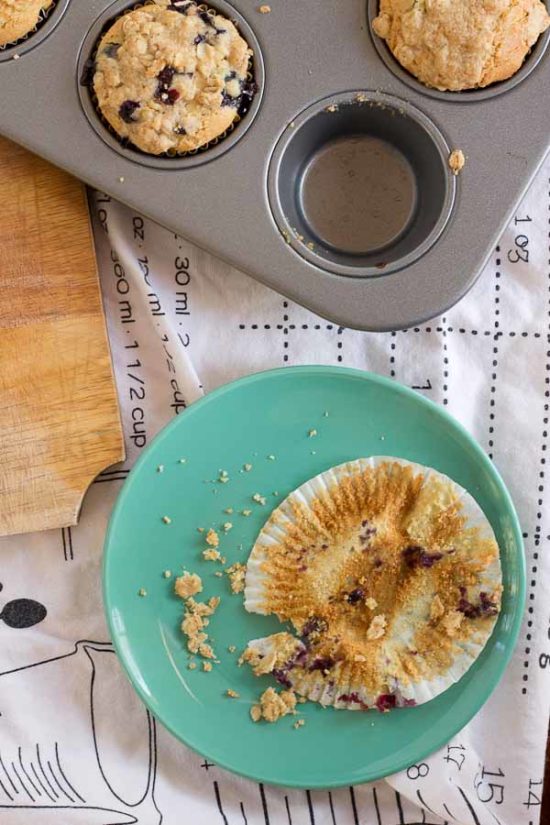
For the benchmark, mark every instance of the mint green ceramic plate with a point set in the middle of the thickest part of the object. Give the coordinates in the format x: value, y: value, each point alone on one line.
x: 264, y: 415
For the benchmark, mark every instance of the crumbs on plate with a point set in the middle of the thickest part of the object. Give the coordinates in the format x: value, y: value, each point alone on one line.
x: 196, y: 615
x: 212, y: 538
x: 237, y: 575
x: 273, y: 706
x: 189, y: 584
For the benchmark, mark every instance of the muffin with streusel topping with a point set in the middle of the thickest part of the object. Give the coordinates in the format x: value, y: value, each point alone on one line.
x: 461, y: 44
x: 19, y: 18
x: 170, y: 76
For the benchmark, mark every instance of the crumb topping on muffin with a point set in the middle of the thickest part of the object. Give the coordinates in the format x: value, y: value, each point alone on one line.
x: 170, y: 76
x: 19, y: 18
x: 461, y: 44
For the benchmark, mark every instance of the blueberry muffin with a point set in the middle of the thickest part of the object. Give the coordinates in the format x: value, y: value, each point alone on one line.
x: 19, y: 17
x: 454, y: 45
x: 171, y: 77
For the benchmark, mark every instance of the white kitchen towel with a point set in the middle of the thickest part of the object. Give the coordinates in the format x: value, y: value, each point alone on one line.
x: 76, y: 745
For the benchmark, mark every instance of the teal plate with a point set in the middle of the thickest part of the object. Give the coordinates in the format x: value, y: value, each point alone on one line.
x: 271, y: 414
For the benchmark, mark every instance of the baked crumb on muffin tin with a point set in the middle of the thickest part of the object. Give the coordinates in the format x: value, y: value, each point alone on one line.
x: 457, y: 160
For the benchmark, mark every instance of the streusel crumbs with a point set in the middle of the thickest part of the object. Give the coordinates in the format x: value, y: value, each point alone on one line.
x: 189, y: 584
x: 211, y: 554
x: 237, y: 575
x: 212, y: 538
x: 194, y: 623
x: 273, y: 706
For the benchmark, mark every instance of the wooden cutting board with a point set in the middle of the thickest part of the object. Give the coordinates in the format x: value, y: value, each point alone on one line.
x: 59, y: 419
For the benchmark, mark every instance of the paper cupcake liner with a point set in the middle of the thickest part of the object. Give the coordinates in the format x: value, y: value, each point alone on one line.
x: 42, y: 17
x: 86, y: 80
x: 301, y: 526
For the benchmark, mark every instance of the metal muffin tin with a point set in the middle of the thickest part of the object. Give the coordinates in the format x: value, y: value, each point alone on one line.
x: 268, y: 198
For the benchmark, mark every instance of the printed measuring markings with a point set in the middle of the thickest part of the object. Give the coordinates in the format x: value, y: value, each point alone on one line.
x: 182, y: 278
x: 534, y: 793
x: 487, y: 788
x: 419, y: 771
x: 544, y: 657
x: 426, y: 386
x: 519, y: 252
x: 143, y: 263
x: 122, y: 286
x: 136, y: 394
x: 178, y: 402
x: 138, y: 227
x: 101, y: 212
x: 152, y: 297
x: 456, y: 754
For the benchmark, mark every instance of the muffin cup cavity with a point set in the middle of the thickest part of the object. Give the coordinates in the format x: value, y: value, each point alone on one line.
x: 168, y: 160
x: 467, y: 96
x: 47, y: 21
x: 359, y: 184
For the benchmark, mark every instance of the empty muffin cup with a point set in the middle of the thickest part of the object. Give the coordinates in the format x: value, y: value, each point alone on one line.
x: 359, y: 184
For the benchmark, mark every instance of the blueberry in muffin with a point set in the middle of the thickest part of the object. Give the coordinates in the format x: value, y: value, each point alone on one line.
x: 170, y: 76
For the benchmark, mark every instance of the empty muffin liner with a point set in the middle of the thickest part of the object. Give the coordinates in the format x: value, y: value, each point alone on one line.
x: 86, y: 80
x: 302, y: 523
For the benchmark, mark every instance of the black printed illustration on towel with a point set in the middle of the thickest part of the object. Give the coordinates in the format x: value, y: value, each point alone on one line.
x: 22, y: 613
x: 69, y: 760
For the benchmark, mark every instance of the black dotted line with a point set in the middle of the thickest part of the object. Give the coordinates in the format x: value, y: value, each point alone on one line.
x: 286, y: 328
x: 530, y: 611
x: 290, y: 326
x: 541, y: 476
x: 339, y: 344
x: 392, y: 354
x: 528, y: 635
x: 285, y: 333
x: 444, y: 330
x: 496, y: 335
x: 486, y: 332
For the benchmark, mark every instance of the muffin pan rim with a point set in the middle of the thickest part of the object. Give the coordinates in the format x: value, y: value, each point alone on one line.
x: 532, y: 60
x: 37, y: 35
x: 223, y: 206
x: 349, y: 98
x: 218, y: 146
